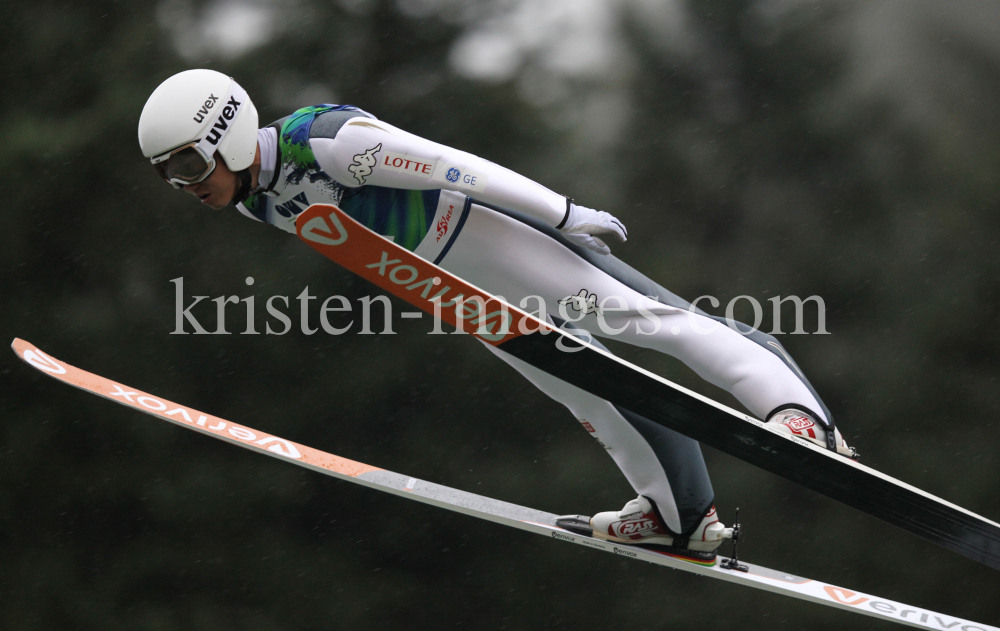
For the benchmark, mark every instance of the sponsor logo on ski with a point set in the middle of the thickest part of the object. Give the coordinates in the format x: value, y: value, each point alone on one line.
x: 895, y: 610
x: 222, y: 428
x: 844, y: 596
x: 41, y: 361
x: 363, y: 163
x: 408, y: 164
x: 564, y: 537
x: 625, y: 553
x: 209, y: 104
x: 492, y: 326
x: 325, y: 229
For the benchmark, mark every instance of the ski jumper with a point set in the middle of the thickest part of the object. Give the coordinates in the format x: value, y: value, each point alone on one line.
x: 496, y: 229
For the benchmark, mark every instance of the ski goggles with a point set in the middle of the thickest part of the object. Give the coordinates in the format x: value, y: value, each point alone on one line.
x: 193, y: 162
x: 184, y: 165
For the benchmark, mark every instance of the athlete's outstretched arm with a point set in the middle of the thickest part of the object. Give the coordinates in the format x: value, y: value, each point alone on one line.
x: 369, y: 151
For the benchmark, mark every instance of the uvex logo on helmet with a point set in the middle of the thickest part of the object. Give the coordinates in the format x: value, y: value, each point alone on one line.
x: 221, y: 123
x: 209, y: 104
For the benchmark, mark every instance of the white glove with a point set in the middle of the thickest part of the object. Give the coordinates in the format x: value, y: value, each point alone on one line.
x: 584, y: 224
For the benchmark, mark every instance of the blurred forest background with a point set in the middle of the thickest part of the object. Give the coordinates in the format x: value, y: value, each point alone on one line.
x: 847, y: 149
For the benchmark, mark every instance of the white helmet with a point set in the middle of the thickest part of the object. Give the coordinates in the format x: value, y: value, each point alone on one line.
x: 192, y: 116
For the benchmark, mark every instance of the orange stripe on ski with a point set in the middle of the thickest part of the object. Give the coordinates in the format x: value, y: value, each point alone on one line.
x: 183, y: 415
x: 398, y: 271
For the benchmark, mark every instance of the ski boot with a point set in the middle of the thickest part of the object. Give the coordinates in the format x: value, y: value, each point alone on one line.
x: 639, y: 523
x: 802, y: 424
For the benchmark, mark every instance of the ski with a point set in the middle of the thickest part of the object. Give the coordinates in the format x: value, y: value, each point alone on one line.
x: 496, y: 511
x: 336, y: 236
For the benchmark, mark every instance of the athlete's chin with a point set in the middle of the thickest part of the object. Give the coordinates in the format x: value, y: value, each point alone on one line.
x: 215, y: 202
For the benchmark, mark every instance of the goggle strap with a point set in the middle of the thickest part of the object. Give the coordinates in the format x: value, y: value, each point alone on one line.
x: 236, y: 99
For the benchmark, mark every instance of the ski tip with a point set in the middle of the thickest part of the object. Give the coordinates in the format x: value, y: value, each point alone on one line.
x: 36, y: 358
x: 19, y: 346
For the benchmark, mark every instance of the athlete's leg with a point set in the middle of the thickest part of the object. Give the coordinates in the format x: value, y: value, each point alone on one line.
x: 659, y: 463
x: 508, y: 257
x: 756, y: 377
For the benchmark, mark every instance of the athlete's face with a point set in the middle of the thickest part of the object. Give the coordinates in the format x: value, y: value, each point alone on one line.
x: 217, y: 189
